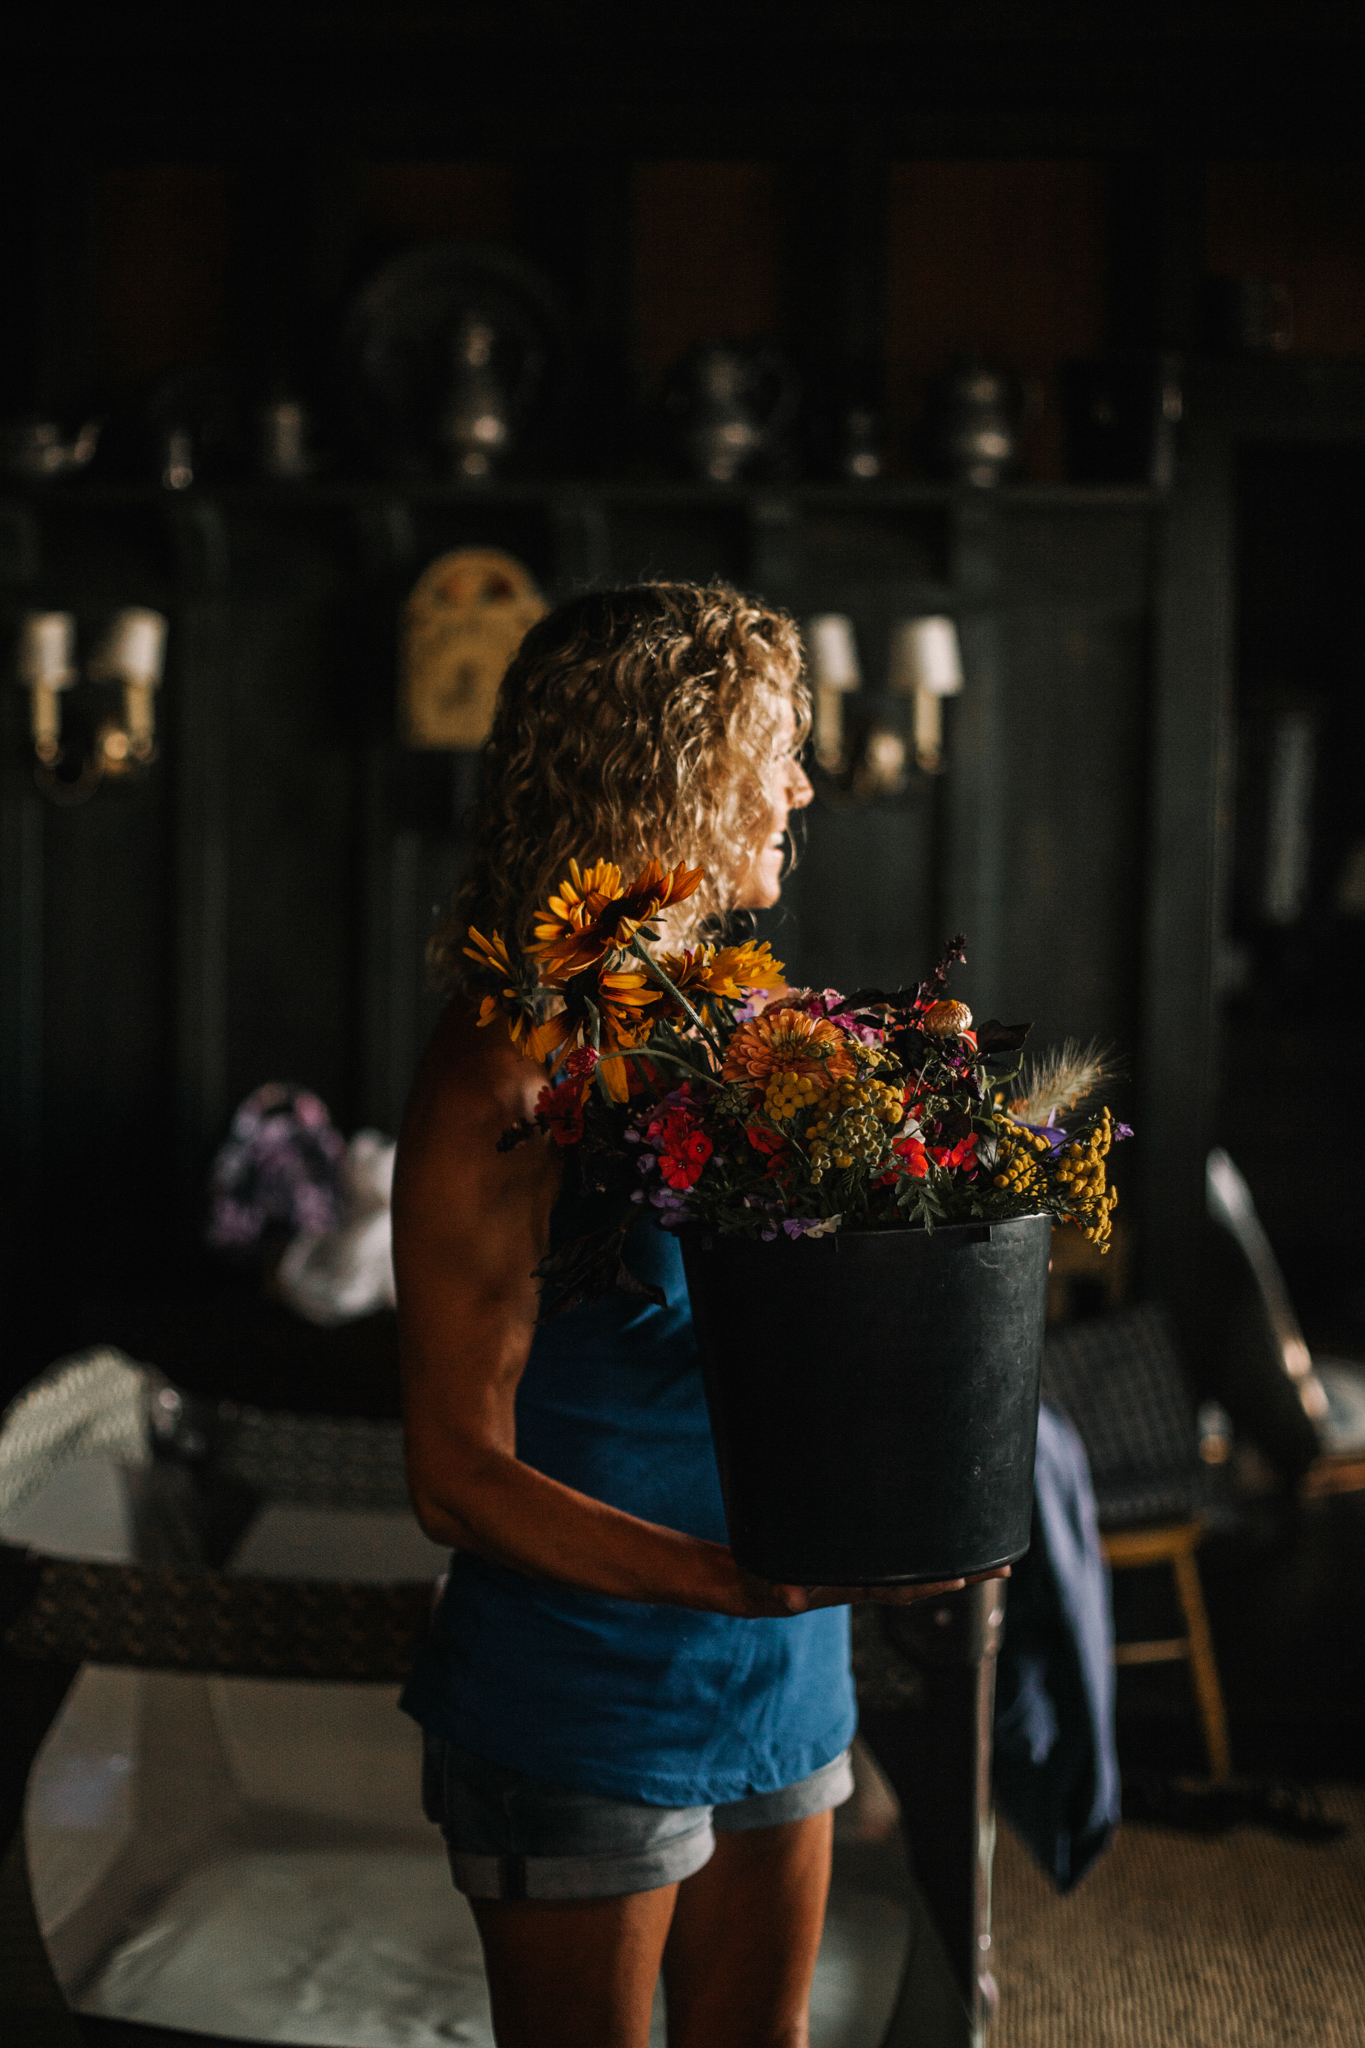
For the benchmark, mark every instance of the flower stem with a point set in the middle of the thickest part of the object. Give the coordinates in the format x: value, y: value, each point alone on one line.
x: 651, y: 1053
x: 652, y: 967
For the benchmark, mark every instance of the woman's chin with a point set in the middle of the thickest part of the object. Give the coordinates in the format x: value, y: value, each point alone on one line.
x: 761, y: 890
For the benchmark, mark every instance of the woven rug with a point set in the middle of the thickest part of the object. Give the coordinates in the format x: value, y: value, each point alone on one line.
x: 1242, y: 1941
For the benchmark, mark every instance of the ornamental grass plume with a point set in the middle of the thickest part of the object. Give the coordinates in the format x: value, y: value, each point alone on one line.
x: 1060, y: 1079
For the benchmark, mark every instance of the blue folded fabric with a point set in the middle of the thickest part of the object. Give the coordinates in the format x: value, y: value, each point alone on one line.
x: 1056, y: 1760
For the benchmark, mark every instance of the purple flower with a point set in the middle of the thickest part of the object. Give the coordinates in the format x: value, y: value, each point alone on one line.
x: 831, y: 1005
x: 1122, y: 1131
x: 811, y: 1226
x: 672, y: 1206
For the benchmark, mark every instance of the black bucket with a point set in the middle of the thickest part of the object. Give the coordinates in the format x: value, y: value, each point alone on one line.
x: 874, y: 1396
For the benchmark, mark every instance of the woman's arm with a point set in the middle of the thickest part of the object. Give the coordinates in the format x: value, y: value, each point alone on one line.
x: 470, y: 1224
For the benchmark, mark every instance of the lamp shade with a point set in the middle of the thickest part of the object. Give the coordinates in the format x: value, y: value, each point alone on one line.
x: 833, y: 652
x: 925, y: 656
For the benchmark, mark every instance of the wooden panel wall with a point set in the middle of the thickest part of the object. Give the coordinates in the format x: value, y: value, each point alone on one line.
x: 708, y: 257
x: 162, y: 238
x: 1005, y: 259
x: 1299, y: 224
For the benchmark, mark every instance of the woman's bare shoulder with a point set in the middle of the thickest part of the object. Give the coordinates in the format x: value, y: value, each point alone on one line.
x: 471, y: 1085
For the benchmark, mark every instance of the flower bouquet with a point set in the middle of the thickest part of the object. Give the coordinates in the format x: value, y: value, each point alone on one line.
x: 864, y: 1188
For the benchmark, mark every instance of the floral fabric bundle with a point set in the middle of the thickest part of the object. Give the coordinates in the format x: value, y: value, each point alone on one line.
x: 697, y: 1085
x: 280, y: 1165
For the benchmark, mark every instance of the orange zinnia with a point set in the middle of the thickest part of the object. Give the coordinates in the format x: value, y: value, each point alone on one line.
x: 593, y: 915
x: 787, y: 1042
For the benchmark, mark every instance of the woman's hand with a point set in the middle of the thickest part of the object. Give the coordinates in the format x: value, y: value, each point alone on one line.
x: 770, y: 1599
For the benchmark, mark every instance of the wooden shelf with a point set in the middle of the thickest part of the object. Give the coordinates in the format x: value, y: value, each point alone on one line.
x: 802, y: 497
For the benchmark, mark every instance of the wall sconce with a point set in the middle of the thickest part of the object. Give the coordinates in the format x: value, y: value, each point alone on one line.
x: 926, y: 665
x: 834, y: 672
x: 132, y: 654
x: 47, y: 643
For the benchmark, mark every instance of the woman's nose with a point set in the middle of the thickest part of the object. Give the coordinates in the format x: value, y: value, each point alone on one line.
x: 799, y: 789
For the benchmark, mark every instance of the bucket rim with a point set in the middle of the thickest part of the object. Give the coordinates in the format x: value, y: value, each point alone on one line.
x: 696, y: 1233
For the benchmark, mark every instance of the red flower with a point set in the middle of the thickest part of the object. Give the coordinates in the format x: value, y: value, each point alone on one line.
x: 560, y: 1111
x: 914, y: 1160
x: 764, y: 1140
x: 682, y: 1160
x: 962, y: 1154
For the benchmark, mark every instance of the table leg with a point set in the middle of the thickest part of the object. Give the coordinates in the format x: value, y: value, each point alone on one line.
x: 937, y: 1757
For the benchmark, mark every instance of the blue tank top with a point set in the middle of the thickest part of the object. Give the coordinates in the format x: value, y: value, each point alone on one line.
x: 636, y: 1701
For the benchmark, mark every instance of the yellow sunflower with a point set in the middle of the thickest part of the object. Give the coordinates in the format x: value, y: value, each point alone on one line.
x: 510, y: 1000
x: 729, y: 971
x: 787, y: 1042
x: 593, y: 914
x: 622, y: 996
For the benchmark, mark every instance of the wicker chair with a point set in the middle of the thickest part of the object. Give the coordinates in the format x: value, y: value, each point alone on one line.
x: 193, y: 1476
x: 1119, y: 1378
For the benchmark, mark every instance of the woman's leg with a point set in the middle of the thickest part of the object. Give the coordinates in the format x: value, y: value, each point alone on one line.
x: 575, y: 1975
x: 741, y: 1952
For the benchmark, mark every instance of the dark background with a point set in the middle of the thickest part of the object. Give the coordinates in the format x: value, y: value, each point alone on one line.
x: 875, y: 190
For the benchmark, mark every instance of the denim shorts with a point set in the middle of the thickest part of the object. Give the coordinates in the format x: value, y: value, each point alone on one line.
x: 513, y: 1837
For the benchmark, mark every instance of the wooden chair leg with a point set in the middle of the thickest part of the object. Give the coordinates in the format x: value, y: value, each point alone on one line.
x: 1203, y: 1667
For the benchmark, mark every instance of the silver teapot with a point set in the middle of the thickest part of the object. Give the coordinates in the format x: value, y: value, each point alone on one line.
x: 976, y: 423
x: 731, y: 403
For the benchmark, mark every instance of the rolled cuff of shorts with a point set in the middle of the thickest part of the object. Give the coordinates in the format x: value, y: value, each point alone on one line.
x: 609, y: 1875
x: 830, y: 1786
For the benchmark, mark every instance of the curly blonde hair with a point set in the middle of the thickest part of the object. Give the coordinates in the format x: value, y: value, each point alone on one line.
x: 631, y: 725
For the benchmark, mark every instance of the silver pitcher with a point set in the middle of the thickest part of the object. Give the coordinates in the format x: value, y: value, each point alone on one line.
x: 731, y: 404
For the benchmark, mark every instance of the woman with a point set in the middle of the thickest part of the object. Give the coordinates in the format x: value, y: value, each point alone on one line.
x: 634, y: 1747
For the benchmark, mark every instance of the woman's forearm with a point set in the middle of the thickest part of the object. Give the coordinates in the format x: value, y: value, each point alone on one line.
x: 489, y: 1502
